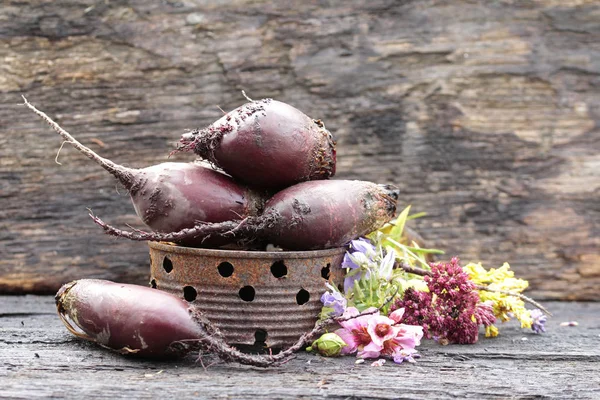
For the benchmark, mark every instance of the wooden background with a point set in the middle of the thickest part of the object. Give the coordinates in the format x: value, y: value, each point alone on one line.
x: 485, y: 113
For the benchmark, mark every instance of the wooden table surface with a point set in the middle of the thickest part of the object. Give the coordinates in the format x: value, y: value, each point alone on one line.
x: 40, y: 359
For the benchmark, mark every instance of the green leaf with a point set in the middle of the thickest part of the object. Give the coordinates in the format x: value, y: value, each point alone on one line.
x: 415, y: 216
x: 393, y: 229
x: 424, y: 251
x: 406, y: 250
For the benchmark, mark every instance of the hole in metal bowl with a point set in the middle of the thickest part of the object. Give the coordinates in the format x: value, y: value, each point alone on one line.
x: 167, y: 265
x: 326, y: 272
x: 189, y: 293
x: 225, y: 269
x: 260, y: 338
x: 279, y: 269
x: 302, y: 297
x: 247, y: 293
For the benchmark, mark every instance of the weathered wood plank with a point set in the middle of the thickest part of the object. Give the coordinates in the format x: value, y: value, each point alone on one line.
x: 486, y: 115
x: 40, y: 359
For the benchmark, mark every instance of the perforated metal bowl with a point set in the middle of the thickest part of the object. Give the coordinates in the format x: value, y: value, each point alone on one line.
x: 255, y: 298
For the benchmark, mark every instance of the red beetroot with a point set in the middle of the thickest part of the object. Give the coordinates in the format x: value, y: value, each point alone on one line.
x: 324, y: 214
x: 172, y: 196
x: 150, y: 323
x: 306, y: 216
x: 266, y: 143
x: 128, y: 318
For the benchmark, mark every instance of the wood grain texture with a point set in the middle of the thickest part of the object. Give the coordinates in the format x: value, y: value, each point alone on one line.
x: 486, y: 114
x: 39, y: 358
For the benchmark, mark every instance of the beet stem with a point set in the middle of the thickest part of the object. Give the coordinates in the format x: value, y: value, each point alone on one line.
x: 123, y: 174
x: 64, y: 318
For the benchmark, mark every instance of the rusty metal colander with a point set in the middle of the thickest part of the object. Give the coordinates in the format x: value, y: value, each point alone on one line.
x: 254, y: 297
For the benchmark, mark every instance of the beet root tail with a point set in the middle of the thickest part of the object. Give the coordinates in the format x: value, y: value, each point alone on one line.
x: 123, y: 174
x: 201, y: 230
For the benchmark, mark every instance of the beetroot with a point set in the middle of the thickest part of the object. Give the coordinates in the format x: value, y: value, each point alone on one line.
x: 306, y: 216
x: 147, y: 322
x: 128, y: 318
x: 172, y: 196
x: 324, y: 214
x: 267, y: 144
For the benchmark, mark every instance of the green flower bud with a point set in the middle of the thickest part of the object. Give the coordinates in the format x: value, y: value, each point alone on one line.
x: 328, y: 345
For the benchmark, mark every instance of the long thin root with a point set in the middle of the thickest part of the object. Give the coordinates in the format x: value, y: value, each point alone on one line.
x: 202, y: 230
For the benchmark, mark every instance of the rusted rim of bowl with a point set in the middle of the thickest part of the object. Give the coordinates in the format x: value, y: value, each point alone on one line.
x: 271, y: 255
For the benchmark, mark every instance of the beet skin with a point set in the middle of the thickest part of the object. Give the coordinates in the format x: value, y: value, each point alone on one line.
x: 128, y: 318
x: 307, y: 216
x: 266, y: 143
x: 324, y: 214
x: 172, y: 196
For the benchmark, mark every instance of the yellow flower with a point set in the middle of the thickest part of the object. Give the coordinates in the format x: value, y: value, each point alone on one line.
x: 505, y: 306
x: 417, y: 284
x: 491, y: 331
x: 503, y: 277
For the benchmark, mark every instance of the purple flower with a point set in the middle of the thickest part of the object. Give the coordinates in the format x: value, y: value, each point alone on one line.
x: 364, y: 246
x: 406, y: 355
x: 539, y: 319
x: 352, y: 276
x: 335, y: 300
x: 353, y: 273
x: 363, y: 253
x: 348, y: 262
x: 387, y: 264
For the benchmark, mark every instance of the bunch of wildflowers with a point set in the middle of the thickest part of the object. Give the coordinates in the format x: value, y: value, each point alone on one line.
x: 369, y: 279
x: 451, y: 311
x: 372, y: 335
x: 442, y: 301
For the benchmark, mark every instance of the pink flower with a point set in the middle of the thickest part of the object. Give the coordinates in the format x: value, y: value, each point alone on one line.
x: 397, y: 315
x: 372, y: 350
x: 371, y: 335
x: 402, y: 346
x: 354, y: 330
x: 410, y: 335
x: 380, y: 329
